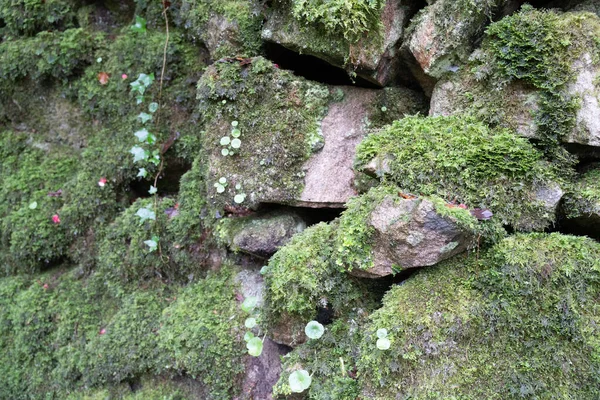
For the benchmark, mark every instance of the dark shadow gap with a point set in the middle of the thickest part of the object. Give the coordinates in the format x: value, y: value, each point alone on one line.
x: 312, y: 68
x: 168, y: 181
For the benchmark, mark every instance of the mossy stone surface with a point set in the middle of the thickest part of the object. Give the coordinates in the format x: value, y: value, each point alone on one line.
x: 462, y: 160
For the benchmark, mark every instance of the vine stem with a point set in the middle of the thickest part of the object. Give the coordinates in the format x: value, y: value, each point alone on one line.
x: 163, y: 258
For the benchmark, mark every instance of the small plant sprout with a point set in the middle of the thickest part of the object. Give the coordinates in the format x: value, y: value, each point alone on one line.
x: 225, y: 140
x: 139, y: 154
x: 225, y: 152
x: 239, y: 198
x: 249, y: 304
x: 383, y: 109
x: 140, y: 25
x: 314, y: 330
x: 383, y: 343
x: 234, y: 123
x: 236, y: 133
x: 255, y: 346
x: 248, y: 336
x: 221, y: 185
x: 142, y: 173
x: 250, y: 322
x: 299, y: 381
x: 236, y: 143
x: 152, y: 190
x: 153, y: 107
x: 33, y: 205
x: 145, y: 214
x: 152, y: 243
x: 144, y: 117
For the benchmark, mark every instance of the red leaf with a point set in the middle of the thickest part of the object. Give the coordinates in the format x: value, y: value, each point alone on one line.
x: 56, y: 219
x: 103, y: 78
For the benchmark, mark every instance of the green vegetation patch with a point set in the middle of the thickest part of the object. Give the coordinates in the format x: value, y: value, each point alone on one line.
x: 350, y: 18
x: 516, y: 318
x: 27, y: 17
x: 47, y: 55
x: 584, y: 198
x: 302, y: 277
x: 462, y: 160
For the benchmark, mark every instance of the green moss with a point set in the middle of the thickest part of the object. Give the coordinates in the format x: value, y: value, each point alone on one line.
x: 302, y: 277
x: 123, y: 255
x: 351, y: 19
x: 533, y: 51
x: 27, y: 17
x: 330, y: 360
x: 460, y: 159
x: 202, y: 332
x: 49, y: 54
x: 584, y: 197
x: 501, y: 327
x: 278, y: 116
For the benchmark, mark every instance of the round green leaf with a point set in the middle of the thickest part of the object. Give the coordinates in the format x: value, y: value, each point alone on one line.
x: 33, y: 205
x: 222, y: 180
x: 236, y: 133
x: 255, y: 347
x: 239, y: 198
x: 314, y: 330
x: 236, y: 143
x: 383, y: 343
x: 225, y: 152
x: 153, y: 107
x: 225, y: 140
x: 250, y: 323
x: 299, y: 381
x: 220, y: 189
x: 381, y: 333
x: 248, y: 336
x: 249, y: 304
x: 234, y: 123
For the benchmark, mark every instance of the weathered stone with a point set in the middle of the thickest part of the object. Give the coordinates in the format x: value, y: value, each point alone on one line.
x: 410, y: 233
x: 288, y: 331
x: 298, y: 138
x: 374, y: 57
x: 264, y: 234
x: 261, y: 373
x: 442, y: 36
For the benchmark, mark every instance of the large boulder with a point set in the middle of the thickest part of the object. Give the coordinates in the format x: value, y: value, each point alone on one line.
x: 272, y: 137
x: 549, y: 97
x: 364, y: 39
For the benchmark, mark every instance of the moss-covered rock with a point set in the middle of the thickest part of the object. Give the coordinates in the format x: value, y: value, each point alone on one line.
x: 362, y: 36
x: 523, y: 319
x: 302, y: 278
x: 260, y: 235
x: 202, y: 329
x: 271, y: 137
x: 442, y: 35
x: 535, y: 73
x: 227, y: 28
x: 386, y: 231
x: 27, y: 17
x: 460, y: 159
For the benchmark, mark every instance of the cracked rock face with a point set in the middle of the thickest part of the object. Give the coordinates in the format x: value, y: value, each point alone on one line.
x: 408, y: 234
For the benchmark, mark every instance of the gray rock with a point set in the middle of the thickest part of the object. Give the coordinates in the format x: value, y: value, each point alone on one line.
x: 409, y: 233
x: 374, y: 57
x: 442, y: 36
x: 262, y: 373
x: 264, y: 234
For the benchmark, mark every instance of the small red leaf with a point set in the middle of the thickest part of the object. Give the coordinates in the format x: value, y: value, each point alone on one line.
x: 56, y: 219
x: 103, y: 78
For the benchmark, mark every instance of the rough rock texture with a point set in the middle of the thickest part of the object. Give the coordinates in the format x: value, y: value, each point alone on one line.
x: 398, y: 234
x: 555, y: 98
x: 298, y: 137
x: 262, y: 373
x: 374, y: 57
x: 442, y: 36
x: 264, y: 234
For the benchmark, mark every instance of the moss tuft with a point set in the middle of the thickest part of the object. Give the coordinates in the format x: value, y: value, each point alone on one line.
x: 460, y: 159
